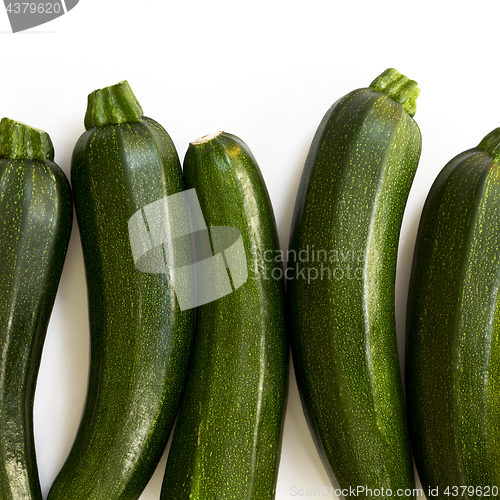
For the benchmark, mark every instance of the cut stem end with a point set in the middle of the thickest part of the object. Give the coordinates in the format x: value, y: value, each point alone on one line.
x: 20, y: 141
x: 399, y: 87
x: 112, y: 105
x: 491, y: 144
x: 206, y: 138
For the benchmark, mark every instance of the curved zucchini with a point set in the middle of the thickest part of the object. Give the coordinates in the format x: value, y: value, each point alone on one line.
x: 35, y: 226
x: 453, y: 329
x: 227, y: 440
x: 140, y: 338
x: 341, y: 278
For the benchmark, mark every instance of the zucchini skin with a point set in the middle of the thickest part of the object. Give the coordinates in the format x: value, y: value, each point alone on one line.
x: 35, y: 226
x: 227, y: 441
x: 350, y: 204
x: 453, y: 330
x: 140, y: 339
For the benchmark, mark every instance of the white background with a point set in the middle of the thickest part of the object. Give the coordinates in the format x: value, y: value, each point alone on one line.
x: 265, y: 71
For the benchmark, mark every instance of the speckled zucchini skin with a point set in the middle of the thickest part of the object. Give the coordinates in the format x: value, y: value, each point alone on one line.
x: 140, y: 339
x: 349, y: 208
x: 227, y: 440
x: 453, y: 330
x: 35, y: 226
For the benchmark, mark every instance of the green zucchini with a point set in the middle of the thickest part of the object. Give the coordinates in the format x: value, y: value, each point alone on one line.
x: 341, y: 279
x: 227, y: 440
x: 453, y: 329
x: 35, y: 226
x: 140, y: 337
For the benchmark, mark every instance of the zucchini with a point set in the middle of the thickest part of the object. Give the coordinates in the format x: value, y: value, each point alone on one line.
x: 453, y: 329
x: 227, y: 440
x: 140, y: 338
x: 35, y: 226
x: 341, y: 279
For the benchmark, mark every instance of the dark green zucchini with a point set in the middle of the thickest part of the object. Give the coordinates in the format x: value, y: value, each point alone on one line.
x: 341, y: 279
x: 140, y: 338
x: 453, y: 329
x: 35, y: 226
x: 227, y: 440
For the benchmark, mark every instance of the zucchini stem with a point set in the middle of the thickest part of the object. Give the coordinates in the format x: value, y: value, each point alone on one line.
x: 491, y: 144
x: 20, y: 141
x: 399, y: 87
x: 206, y: 138
x: 111, y: 106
